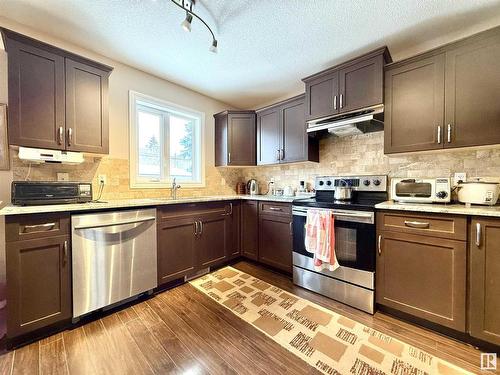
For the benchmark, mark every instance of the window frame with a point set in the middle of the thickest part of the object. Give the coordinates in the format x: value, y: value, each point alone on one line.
x: 159, y: 106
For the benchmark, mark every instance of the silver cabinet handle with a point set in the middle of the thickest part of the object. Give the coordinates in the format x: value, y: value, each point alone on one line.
x: 449, y: 133
x: 478, y: 234
x: 417, y: 224
x: 275, y: 209
x: 341, y: 101
x: 229, y: 158
x: 195, y: 228
x: 70, y: 136
x: 201, y: 227
x: 282, y: 154
x: 335, y: 102
x: 439, y: 134
x: 230, y: 209
x: 65, y: 253
x: 61, y: 135
x: 31, y: 228
x: 379, y: 244
x: 278, y: 154
x: 291, y: 228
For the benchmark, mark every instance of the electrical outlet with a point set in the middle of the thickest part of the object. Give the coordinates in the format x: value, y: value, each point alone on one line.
x: 101, y: 179
x: 62, y: 176
x: 272, y: 180
x: 459, y: 176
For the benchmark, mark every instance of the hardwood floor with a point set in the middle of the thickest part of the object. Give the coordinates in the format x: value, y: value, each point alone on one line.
x: 184, y: 331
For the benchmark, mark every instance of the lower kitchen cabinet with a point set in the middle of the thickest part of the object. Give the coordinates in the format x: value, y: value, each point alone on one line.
x: 423, y: 276
x: 176, y: 248
x: 275, y: 235
x: 38, y: 283
x: 213, y: 240
x: 235, y: 228
x: 484, y: 288
x: 250, y: 229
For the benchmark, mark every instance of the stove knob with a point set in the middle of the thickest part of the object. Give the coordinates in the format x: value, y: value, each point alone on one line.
x: 441, y: 194
x: 321, y: 183
x: 366, y: 182
x: 329, y: 183
x: 377, y: 182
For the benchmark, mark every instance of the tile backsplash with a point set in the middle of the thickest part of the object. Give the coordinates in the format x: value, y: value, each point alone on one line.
x: 356, y: 155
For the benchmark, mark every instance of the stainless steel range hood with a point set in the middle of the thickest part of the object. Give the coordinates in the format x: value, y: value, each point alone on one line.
x: 356, y: 122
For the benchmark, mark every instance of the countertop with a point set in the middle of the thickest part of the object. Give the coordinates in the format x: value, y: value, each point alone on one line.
x: 131, y: 203
x: 440, y: 208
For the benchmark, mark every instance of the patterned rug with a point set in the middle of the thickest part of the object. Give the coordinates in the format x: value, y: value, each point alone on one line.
x: 324, y: 339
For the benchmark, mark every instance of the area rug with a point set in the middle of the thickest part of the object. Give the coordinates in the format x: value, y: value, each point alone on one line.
x: 330, y: 342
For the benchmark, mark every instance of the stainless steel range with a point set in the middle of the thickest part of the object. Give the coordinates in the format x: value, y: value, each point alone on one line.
x: 353, y: 282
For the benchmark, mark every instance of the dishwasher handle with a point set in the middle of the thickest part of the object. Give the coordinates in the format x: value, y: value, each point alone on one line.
x: 112, y: 224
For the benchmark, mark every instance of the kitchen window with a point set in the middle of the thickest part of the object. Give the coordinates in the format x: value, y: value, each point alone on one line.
x: 165, y: 143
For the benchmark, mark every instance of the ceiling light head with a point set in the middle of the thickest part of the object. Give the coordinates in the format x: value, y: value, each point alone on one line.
x: 186, y: 24
x: 213, y: 47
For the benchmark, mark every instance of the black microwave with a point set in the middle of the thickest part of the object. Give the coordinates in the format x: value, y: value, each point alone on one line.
x: 32, y: 193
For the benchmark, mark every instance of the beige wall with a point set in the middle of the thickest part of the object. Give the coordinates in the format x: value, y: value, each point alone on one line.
x: 364, y: 154
x: 115, y: 166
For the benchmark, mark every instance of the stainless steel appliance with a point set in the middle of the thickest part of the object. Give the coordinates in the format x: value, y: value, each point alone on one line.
x: 423, y: 190
x: 31, y: 193
x: 360, y: 121
x: 353, y: 282
x: 252, y: 187
x: 113, y: 257
x: 478, y: 192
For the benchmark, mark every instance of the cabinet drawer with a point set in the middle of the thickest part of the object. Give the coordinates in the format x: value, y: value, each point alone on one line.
x: 193, y: 209
x: 27, y: 227
x: 443, y: 226
x: 275, y: 209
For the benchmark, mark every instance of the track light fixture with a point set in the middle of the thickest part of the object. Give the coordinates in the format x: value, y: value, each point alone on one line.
x: 186, y: 24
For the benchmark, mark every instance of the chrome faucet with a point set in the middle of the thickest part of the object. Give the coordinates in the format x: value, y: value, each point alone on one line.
x: 174, y: 189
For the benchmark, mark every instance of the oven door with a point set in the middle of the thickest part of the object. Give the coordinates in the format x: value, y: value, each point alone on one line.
x: 355, y: 245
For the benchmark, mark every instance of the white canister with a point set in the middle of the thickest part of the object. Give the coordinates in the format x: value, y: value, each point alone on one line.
x: 478, y: 192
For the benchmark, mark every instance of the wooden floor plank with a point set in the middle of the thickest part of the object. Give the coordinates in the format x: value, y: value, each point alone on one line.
x: 241, y: 363
x: 267, y: 352
x: 200, y: 348
x: 127, y: 349
x: 157, y: 358
x: 180, y: 354
x: 6, y: 362
x: 127, y: 315
x: 53, y: 358
x: 78, y: 355
x: 26, y: 360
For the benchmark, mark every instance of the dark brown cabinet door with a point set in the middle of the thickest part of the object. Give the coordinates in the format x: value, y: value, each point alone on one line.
x: 423, y: 276
x: 38, y: 284
x: 176, y: 249
x: 473, y: 93
x: 322, y: 96
x: 241, y: 139
x: 221, y: 145
x: 268, y: 136
x: 249, y: 229
x: 294, y: 138
x: 484, y: 280
x: 213, y: 240
x: 361, y: 84
x: 86, y: 108
x: 414, y: 106
x: 275, y: 241
x: 36, y: 97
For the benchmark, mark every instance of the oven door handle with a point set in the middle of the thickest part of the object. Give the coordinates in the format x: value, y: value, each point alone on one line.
x: 340, y: 215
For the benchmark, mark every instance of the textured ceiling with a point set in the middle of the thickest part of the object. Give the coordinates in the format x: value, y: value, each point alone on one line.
x: 265, y: 47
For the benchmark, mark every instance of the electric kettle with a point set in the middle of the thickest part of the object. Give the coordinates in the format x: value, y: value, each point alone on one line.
x: 252, y: 187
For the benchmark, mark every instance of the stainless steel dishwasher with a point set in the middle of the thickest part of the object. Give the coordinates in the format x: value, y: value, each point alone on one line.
x: 113, y: 257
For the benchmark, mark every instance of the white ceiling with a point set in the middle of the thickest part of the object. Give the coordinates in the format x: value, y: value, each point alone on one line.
x: 265, y: 46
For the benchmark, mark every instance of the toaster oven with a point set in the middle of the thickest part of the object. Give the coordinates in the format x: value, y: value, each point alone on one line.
x: 31, y: 193
x: 424, y: 190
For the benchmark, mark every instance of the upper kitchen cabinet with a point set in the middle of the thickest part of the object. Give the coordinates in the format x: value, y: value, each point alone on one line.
x: 282, y: 136
x: 414, y: 105
x: 234, y: 138
x: 445, y: 98
x: 57, y: 100
x: 358, y: 83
